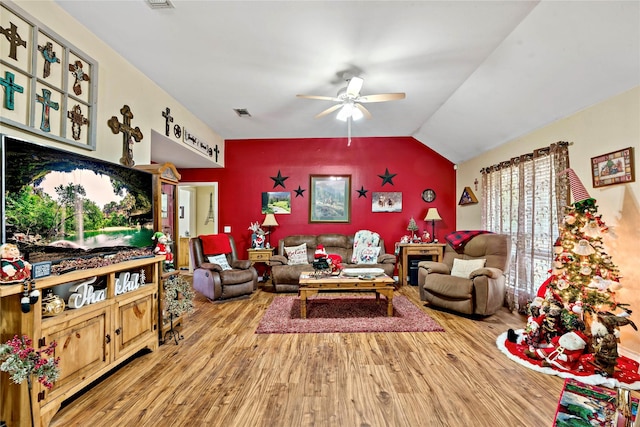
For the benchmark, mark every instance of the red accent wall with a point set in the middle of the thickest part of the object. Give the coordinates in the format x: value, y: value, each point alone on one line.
x: 250, y: 164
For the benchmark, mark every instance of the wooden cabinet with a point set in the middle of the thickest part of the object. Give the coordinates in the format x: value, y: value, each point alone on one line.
x: 165, y: 200
x: 92, y: 339
x: 434, y: 251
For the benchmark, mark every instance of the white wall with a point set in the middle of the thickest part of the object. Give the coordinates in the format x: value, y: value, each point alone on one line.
x: 119, y: 84
x: 608, y: 126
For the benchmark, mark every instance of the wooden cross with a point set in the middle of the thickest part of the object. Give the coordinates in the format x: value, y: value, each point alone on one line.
x: 10, y: 88
x: 217, y: 151
x: 127, y: 134
x: 14, y: 39
x: 47, y: 104
x: 49, y: 58
x: 167, y: 119
x: 77, y: 120
x: 80, y: 75
x: 476, y: 183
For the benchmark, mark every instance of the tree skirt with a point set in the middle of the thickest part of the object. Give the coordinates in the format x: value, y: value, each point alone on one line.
x: 344, y: 314
x: 626, y: 374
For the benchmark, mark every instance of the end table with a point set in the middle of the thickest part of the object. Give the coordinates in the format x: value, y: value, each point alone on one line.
x: 433, y: 250
x: 262, y: 255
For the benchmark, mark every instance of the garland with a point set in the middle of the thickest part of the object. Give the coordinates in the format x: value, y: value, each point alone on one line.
x: 178, y: 296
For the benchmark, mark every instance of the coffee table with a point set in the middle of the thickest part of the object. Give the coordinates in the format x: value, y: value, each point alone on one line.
x: 311, y: 285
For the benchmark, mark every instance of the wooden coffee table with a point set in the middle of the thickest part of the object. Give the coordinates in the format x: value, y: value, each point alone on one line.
x: 310, y: 285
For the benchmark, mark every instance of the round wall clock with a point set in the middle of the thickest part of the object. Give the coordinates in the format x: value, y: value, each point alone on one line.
x: 428, y: 195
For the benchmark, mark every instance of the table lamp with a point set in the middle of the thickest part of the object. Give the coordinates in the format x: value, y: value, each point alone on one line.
x: 269, y: 222
x: 433, y: 216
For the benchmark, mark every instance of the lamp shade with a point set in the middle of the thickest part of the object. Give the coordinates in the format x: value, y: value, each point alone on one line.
x: 270, y: 220
x: 432, y: 215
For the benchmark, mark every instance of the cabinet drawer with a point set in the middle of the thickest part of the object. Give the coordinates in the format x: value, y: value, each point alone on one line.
x: 260, y: 257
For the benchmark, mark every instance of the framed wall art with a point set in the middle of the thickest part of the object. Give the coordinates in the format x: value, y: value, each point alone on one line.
x: 613, y: 168
x: 276, y: 202
x: 330, y: 199
x: 467, y: 197
x: 386, y: 201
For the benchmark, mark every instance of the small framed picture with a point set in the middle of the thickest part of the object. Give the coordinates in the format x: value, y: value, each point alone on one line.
x: 613, y: 168
x: 386, y: 201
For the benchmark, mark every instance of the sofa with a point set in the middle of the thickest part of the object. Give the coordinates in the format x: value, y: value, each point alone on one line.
x: 477, y: 289
x: 285, y: 276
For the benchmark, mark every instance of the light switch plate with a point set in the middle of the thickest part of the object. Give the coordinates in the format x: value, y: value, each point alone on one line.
x: 227, y: 229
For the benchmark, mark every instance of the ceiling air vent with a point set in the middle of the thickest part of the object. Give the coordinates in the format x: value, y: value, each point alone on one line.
x: 160, y: 4
x: 242, y: 112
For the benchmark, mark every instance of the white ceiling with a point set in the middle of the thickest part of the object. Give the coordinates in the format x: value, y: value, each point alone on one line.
x: 476, y: 73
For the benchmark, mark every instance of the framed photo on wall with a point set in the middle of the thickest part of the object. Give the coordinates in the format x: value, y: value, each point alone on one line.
x: 613, y: 168
x: 330, y: 198
x: 386, y: 201
x: 277, y: 202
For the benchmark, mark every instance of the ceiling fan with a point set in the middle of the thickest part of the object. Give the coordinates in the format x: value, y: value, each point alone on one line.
x: 349, y: 101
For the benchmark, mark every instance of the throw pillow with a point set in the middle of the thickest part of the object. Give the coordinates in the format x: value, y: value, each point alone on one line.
x: 296, y: 254
x: 221, y: 260
x: 369, y: 255
x: 464, y: 267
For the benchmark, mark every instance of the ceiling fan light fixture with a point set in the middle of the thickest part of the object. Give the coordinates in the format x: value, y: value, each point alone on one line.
x: 345, y: 112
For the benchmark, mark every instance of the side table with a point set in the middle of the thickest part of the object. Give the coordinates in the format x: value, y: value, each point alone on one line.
x: 433, y: 250
x: 262, y: 255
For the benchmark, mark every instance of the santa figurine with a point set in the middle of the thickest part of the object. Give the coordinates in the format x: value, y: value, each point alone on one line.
x: 565, y: 351
x: 163, y: 248
x: 320, y: 252
x: 13, y: 268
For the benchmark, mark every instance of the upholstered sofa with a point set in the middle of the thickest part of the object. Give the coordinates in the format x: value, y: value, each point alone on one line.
x: 481, y: 291
x: 285, y: 277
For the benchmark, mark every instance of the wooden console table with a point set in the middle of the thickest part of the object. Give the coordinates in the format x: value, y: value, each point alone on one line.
x: 262, y: 255
x: 433, y: 250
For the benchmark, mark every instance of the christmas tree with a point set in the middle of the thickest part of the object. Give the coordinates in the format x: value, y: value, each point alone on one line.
x: 576, y: 311
x: 412, y: 227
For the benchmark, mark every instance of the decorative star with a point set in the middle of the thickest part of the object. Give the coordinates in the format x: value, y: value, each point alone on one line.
x: 362, y: 192
x: 299, y: 191
x: 387, y: 177
x: 279, y: 180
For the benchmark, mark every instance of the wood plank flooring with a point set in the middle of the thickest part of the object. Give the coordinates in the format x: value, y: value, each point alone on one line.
x: 223, y: 374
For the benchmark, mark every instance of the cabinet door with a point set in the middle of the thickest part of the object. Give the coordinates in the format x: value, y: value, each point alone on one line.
x: 136, y: 323
x: 83, y: 344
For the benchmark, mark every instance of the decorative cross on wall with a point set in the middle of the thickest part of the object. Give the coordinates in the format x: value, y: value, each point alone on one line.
x: 49, y: 58
x: 47, y: 104
x: 77, y: 120
x: 10, y: 88
x: 127, y: 134
x: 167, y: 119
x: 217, y: 151
x: 80, y: 75
x: 14, y: 39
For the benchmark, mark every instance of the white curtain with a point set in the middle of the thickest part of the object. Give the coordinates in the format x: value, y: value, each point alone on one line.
x: 524, y: 197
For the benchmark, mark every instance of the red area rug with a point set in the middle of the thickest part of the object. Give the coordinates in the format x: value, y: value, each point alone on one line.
x: 344, y: 314
x: 626, y: 374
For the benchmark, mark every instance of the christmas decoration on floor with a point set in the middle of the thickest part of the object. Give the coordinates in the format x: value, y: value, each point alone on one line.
x: 574, y: 322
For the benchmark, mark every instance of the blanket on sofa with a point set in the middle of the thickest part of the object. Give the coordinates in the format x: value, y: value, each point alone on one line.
x: 363, y: 241
x: 215, y: 244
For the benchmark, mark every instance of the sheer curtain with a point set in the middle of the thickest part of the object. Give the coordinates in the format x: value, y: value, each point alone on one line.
x: 524, y: 197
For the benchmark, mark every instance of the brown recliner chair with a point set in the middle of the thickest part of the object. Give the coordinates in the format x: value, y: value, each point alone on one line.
x: 212, y: 280
x: 483, y: 292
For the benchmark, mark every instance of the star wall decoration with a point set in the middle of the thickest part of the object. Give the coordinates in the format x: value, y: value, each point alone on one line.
x: 299, y: 191
x: 362, y: 192
x: 279, y: 180
x: 387, y: 177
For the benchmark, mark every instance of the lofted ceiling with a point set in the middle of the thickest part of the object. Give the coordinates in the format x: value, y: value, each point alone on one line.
x: 476, y: 74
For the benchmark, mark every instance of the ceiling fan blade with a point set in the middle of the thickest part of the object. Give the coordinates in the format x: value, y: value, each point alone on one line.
x: 354, y: 86
x: 382, y: 97
x: 328, y: 111
x: 323, y: 98
x: 365, y: 112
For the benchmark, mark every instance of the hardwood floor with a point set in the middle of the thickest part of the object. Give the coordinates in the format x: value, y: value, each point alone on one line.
x: 223, y: 374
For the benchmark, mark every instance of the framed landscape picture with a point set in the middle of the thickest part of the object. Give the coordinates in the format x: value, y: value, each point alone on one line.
x: 330, y: 199
x: 277, y: 202
x: 613, y: 168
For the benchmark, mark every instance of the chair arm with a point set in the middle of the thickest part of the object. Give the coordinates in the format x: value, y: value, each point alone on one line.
x: 434, y: 267
x: 241, y: 264
x: 278, y: 260
x: 387, y: 259
x: 211, y: 266
x: 492, y: 273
